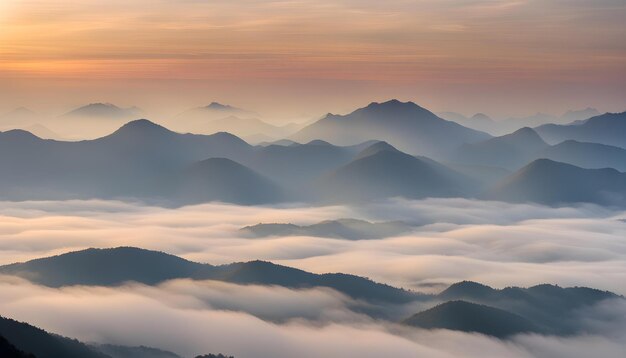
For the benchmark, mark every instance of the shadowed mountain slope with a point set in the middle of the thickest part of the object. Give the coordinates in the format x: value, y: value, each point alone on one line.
x: 509, y: 151
x: 471, y: 317
x: 111, y: 267
x: 221, y: 179
x: 381, y: 171
x: 42, y: 344
x: 549, y: 182
x: 7, y: 350
x: 586, y: 155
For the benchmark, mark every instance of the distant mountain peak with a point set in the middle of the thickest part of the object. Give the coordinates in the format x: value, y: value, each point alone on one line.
x: 142, y: 126
x: 318, y: 142
x: 102, y: 109
x: 481, y: 116
x: 393, y: 103
x: 21, y: 110
x: 221, y: 107
x: 467, y: 289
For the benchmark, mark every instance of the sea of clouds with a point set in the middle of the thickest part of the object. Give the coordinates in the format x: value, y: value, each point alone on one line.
x: 454, y: 239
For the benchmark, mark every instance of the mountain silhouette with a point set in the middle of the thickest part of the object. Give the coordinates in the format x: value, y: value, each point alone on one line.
x: 350, y: 229
x: 215, y: 106
x: 387, y: 172
x: 112, y: 267
x: 406, y: 125
x: 41, y: 344
x: 221, y: 179
x: 140, y: 159
x: 580, y: 115
x: 509, y: 151
x: 556, y: 310
x: 103, y: 110
x: 549, y: 182
x: 115, y: 351
x: 478, y: 121
x: 609, y: 129
x: 471, y: 317
x: 586, y: 155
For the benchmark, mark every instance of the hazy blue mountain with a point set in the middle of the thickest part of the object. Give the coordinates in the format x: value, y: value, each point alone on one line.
x: 382, y: 171
x: 509, y: 151
x: 217, y: 117
x: 580, y: 115
x: 111, y: 267
x: 514, y: 123
x: 41, y: 344
x: 609, y: 129
x: 115, y: 351
x: 221, y: 179
x: 586, y: 155
x: 145, y: 160
x: 140, y: 159
x: 472, y: 317
x: 104, y: 110
x: 296, y: 167
x: 549, y: 182
x: 478, y: 121
x: 350, y: 229
x: 485, y: 175
x: 407, y: 126
x: 281, y: 142
x: 512, y: 151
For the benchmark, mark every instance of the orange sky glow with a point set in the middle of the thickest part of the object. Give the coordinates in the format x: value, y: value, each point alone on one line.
x: 309, y: 56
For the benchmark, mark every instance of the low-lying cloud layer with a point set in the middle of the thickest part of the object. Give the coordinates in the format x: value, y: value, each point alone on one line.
x: 494, y: 243
x: 190, y: 318
x: 454, y: 239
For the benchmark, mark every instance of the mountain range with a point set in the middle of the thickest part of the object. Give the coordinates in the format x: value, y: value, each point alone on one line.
x: 465, y: 306
x: 409, y: 127
x: 104, y: 111
x: 484, y: 123
x: 350, y: 229
x: 512, y: 151
x: 144, y: 161
x: 608, y: 129
x: 217, y: 117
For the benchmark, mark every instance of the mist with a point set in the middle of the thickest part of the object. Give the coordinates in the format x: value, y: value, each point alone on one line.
x: 498, y: 244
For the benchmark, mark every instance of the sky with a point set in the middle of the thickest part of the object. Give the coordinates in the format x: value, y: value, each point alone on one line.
x: 303, y: 58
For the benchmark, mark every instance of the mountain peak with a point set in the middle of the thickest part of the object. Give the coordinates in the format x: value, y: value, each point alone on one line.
x: 318, y: 142
x: 100, y: 109
x: 139, y: 126
x: 220, y: 107
x: 393, y: 103
x: 466, y: 289
x: 376, y: 148
x: 481, y: 117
